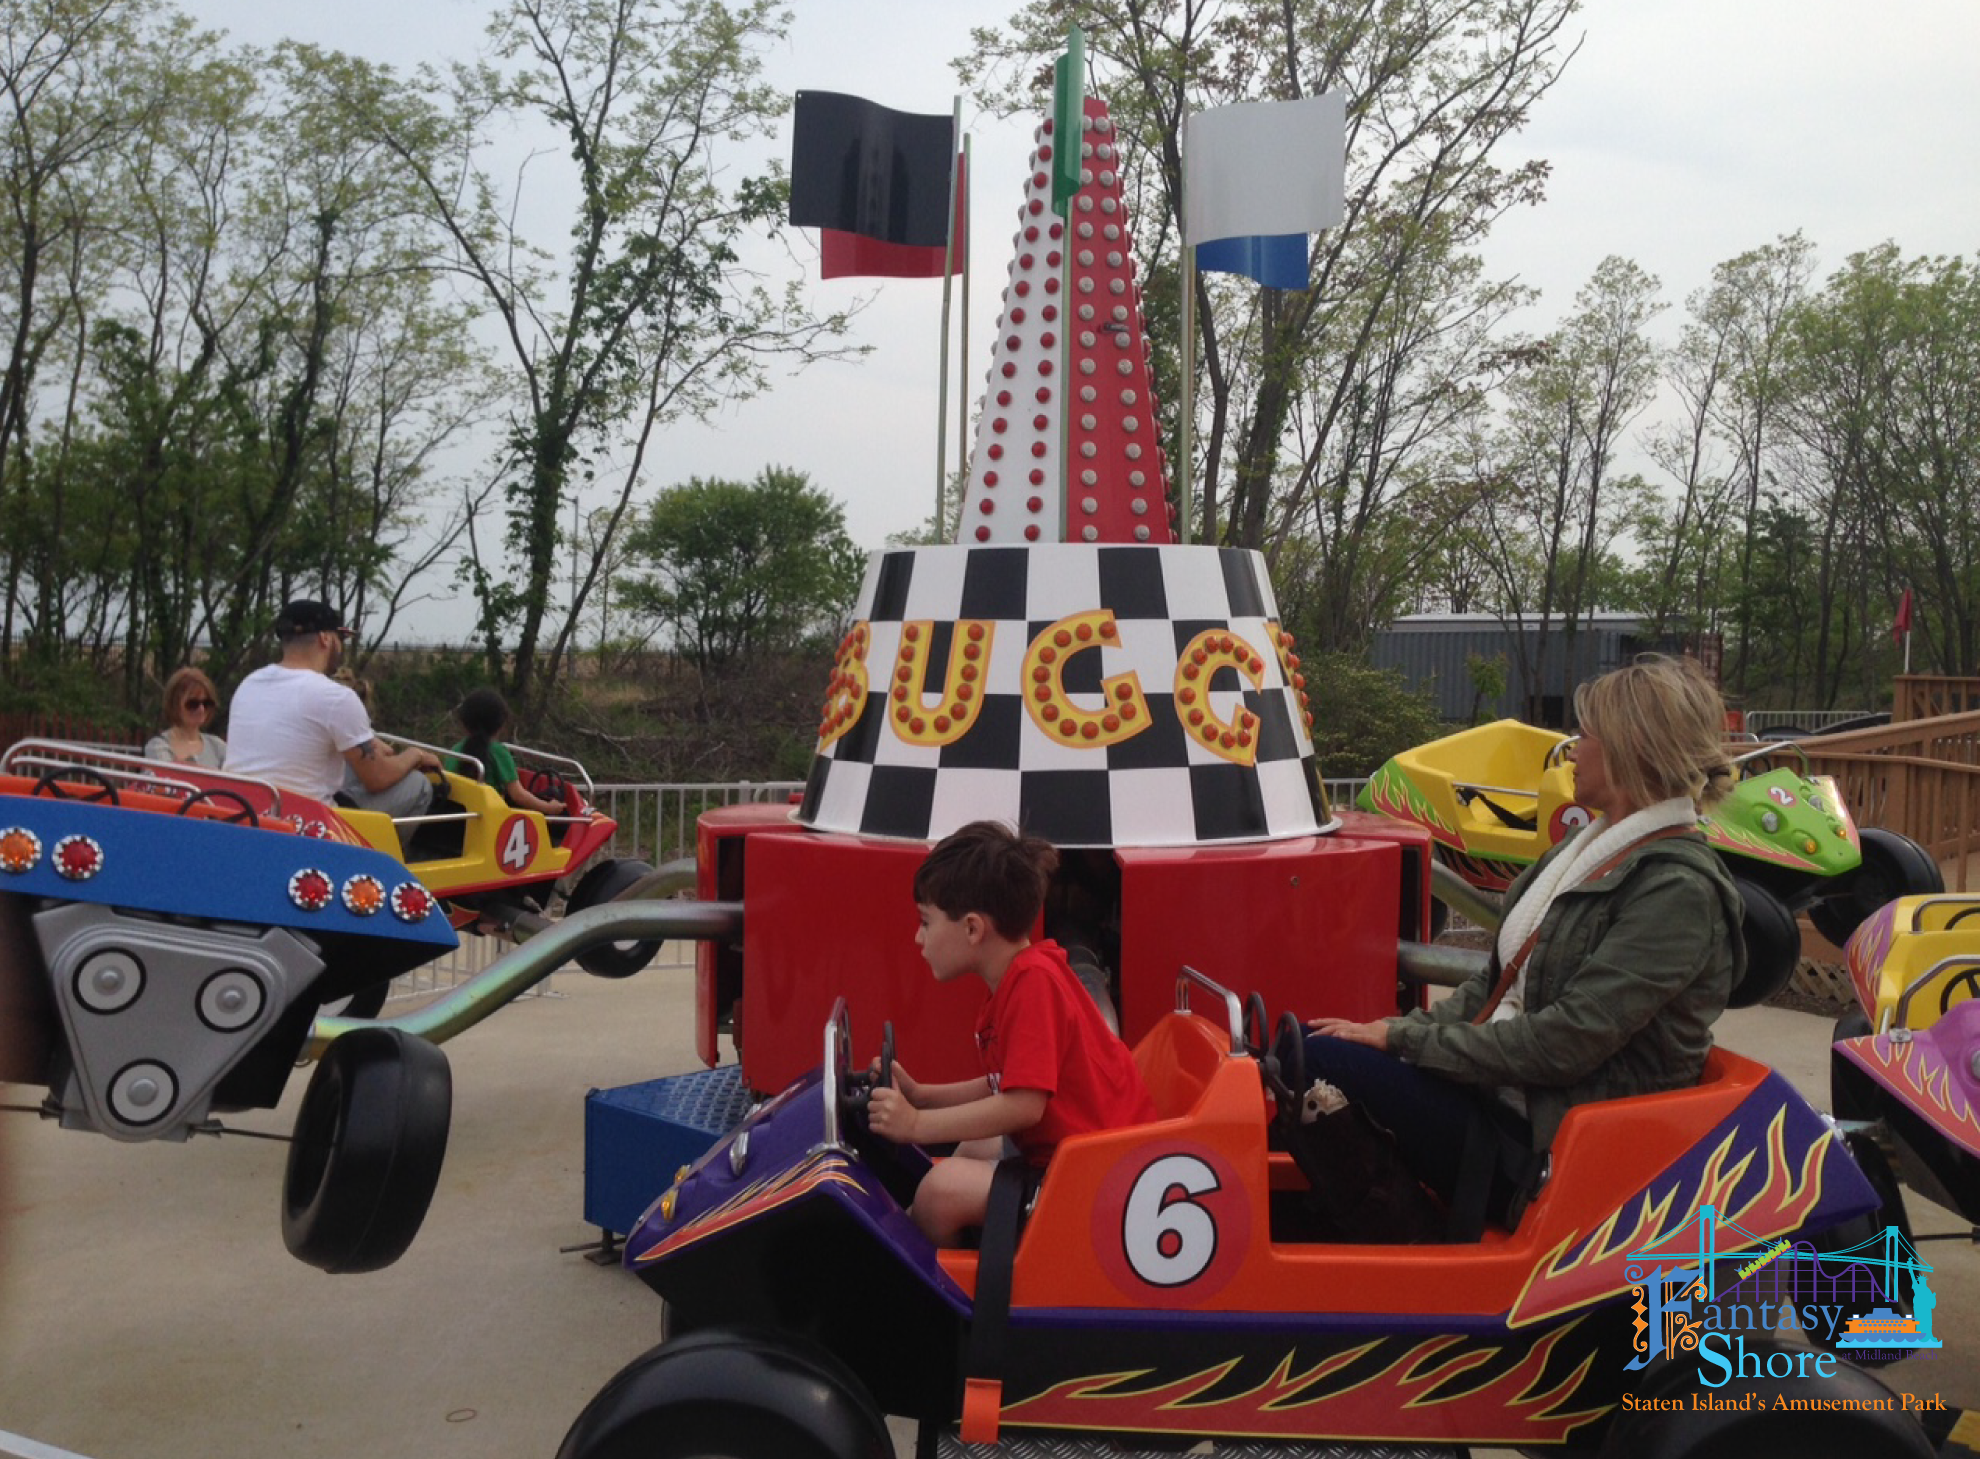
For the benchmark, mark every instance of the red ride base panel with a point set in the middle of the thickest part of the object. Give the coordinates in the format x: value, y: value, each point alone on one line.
x: 1308, y: 922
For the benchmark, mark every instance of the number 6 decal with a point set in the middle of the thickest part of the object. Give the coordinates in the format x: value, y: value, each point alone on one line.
x: 1178, y: 1219
x: 1168, y: 1238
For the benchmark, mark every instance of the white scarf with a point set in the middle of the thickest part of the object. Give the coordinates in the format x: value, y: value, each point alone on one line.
x: 1591, y: 847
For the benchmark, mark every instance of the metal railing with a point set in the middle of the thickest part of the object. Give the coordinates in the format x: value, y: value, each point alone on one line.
x: 1814, y: 721
x: 657, y: 821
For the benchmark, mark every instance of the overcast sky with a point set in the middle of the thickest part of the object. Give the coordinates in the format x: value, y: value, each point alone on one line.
x: 1683, y: 133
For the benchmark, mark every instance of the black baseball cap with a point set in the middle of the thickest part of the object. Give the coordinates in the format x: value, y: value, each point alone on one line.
x: 306, y: 615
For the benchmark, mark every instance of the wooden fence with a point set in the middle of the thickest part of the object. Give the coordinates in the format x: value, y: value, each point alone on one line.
x: 1920, y: 777
x: 1929, y: 696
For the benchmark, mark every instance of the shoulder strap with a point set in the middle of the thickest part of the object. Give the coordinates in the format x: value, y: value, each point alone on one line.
x: 990, y: 1313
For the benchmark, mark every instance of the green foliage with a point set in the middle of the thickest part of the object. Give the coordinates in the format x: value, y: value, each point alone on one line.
x: 1488, y: 684
x: 1363, y: 715
x: 650, y: 317
x: 744, y: 569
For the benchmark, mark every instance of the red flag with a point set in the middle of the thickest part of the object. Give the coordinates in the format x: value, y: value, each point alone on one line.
x: 1903, y: 624
x: 850, y: 255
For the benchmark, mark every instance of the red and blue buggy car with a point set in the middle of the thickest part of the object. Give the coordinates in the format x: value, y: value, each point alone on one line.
x: 165, y: 952
x: 1168, y: 1283
x: 495, y: 868
x: 174, y: 942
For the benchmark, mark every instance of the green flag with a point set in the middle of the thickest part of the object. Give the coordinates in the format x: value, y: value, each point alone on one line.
x: 1068, y: 116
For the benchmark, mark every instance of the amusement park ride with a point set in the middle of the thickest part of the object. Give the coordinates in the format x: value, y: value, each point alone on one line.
x: 1069, y: 667
x: 1066, y: 665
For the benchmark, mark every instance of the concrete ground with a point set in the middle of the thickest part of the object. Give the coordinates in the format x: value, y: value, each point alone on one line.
x: 148, y: 1309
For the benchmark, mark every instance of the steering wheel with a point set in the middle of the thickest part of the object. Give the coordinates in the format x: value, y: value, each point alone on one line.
x: 242, y: 815
x: 1289, y: 1052
x: 548, y: 784
x: 1255, y: 1020
x: 858, y: 1093
x: 51, y: 785
x: 1968, y: 978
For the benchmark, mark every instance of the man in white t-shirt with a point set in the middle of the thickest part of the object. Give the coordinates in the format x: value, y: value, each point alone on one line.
x: 292, y: 724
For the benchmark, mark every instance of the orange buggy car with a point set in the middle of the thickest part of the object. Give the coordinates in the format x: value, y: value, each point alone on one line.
x: 1167, y: 1285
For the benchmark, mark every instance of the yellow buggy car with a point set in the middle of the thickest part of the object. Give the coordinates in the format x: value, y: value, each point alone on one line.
x: 1494, y: 798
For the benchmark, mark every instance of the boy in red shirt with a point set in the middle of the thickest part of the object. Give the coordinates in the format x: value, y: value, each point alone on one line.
x: 1051, y: 1066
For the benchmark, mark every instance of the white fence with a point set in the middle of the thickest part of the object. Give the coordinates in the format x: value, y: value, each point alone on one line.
x: 656, y: 824
x: 657, y: 821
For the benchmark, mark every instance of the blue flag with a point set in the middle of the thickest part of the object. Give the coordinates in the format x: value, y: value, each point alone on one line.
x: 1277, y: 262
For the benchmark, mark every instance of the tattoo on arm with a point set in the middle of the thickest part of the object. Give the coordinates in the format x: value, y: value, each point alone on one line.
x: 368, y: 750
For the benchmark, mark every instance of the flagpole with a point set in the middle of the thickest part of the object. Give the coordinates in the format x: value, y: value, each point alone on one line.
x: 1185, y: 443
x: 962, y: 355
x: 948, y: 275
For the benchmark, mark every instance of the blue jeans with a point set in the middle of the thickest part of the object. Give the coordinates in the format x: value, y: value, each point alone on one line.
x: 1434, y: 1120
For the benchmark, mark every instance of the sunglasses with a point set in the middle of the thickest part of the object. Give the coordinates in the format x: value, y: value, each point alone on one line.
x: 201, y: 704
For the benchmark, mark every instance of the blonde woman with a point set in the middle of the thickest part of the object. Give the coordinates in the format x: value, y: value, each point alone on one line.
x: 191, y: 704
x: 1618, y: 951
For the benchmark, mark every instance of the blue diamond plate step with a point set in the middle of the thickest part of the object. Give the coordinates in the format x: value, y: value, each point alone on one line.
x: 638, y: 1135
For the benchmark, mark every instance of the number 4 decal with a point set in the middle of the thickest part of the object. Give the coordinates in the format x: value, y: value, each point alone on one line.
x: 518, y: 843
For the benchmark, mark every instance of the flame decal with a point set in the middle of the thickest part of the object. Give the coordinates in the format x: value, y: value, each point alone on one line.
x: 752, y: 1201
x: 1579, y: 1271
x: 1742, y: 842
x: 1916, y: 1072
x: 1412, y: 1396
x: 1491, y: 873
x: 1868, y: 947
x: 1393, y: 794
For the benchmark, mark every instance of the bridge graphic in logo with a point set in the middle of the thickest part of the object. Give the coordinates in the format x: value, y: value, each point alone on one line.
x: 1731, y: 1275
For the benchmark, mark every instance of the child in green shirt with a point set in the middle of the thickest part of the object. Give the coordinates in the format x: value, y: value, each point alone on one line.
x: 484, y: 715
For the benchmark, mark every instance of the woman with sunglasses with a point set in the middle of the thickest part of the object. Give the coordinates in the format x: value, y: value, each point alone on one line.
x: 190, y: 704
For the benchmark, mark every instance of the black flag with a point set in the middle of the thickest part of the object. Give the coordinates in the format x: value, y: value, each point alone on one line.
x: 862, y: 168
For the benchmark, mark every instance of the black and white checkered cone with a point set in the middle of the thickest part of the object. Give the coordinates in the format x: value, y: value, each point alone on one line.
x: 1093, y: 694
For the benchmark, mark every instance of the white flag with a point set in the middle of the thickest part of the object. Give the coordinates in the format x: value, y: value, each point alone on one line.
x: 1264, y: 167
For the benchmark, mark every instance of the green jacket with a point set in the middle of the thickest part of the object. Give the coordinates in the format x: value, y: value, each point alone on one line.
x: 1622, y: 987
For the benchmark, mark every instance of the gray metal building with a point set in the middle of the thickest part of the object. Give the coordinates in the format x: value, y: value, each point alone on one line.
x: 1430, y: 649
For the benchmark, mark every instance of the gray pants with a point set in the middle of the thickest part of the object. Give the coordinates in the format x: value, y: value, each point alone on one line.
x: 409, y: 797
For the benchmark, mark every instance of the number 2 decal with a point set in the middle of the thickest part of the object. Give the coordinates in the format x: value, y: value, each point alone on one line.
x: 518, y: 843
x: 1178, y: 1220
x: 1570, y: 817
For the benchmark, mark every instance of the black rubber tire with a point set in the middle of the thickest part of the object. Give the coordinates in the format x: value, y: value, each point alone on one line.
x: 1893, y: 866
x: 369, y: 1142
x: 732, y: 1392
x: 1809, y: 1433
x: 602, y: 884
x: 1773, y: 945
x: 1845, y: 1100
